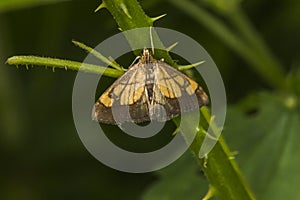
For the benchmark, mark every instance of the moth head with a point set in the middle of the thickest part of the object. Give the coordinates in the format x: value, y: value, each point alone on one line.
x: 146, y: 52
x: 146, y: 56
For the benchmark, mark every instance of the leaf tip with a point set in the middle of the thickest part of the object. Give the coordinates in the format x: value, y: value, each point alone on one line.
x: 10, y: 60
x: 153, y: 19
x: 187, y: 67
x: 75, y: 42
x: 210, y: 193
x: 102, y: 5
x: 168, y: 49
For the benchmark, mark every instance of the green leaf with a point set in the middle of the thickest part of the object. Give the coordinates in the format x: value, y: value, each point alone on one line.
x: 181, y: 180
x: 267, y: 145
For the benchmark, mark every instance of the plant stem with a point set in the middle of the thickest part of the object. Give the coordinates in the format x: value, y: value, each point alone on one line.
x: 221, y: 150
x: 221, y: 171
x: 227, y: 180
x: 129, y: 15
x: 64, y: 64
x: 220, y: 167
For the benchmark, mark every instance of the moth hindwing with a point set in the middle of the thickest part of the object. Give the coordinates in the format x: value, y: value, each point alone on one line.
x: 150, y: 90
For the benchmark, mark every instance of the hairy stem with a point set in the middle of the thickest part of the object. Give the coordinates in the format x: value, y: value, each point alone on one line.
x: 63, y: 64
x: 129, y: 15
x: 221, y: 170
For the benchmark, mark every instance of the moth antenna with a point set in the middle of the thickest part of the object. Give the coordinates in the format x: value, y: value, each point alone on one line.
x: 151, y: 40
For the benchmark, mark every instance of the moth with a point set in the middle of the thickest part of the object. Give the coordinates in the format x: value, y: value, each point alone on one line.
x: 150, y: 90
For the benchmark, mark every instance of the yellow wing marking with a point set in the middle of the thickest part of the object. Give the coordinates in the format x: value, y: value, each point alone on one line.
x: 139, y: 86
x: 192, y: 87
x: 166, y: 84
x: 118, y: 89
x: 138, y: 93
x: 179, y: 80
x: 133, y: 90
x: 106, y: 100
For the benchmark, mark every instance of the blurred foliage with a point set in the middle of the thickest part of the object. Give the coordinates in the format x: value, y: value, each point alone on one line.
x: 42, y: 156
x: 181, y: 180
x: 268, y: 150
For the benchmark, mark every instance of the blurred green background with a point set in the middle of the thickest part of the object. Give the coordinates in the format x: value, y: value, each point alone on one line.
x: 42, y: 155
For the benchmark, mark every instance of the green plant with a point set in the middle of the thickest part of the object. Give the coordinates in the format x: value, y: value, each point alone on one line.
x: 222, y: 172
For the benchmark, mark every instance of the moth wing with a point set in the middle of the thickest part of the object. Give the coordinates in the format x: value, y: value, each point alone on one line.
x: 176, y: 92
x: 125, y: 100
